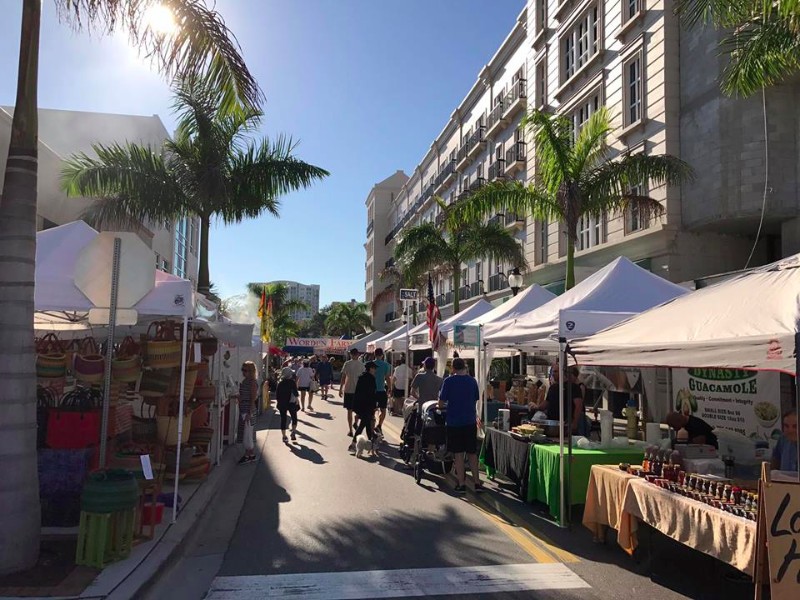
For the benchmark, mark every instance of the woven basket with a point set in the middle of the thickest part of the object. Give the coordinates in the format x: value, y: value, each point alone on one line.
x: 155, y: 383
x: 89, y: 365
x: 163, y: 350
x: 51, y: 361
x: 168, y: 429
x: 205, y: 393
x: 126, y: 370
x: 201, y: 436
x: 188, y: 384
x: 208, y: 346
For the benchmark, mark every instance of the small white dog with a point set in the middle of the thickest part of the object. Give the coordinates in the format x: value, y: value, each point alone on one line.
x: 362, y: 444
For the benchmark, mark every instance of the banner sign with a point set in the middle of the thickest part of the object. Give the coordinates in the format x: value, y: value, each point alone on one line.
x: 782, y: 511
x: 326, y: 344
x: 466, y: 335
x: 744, y: 401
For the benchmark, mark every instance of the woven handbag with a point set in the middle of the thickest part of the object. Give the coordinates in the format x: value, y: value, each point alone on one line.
x: 205, y: 393
x: 162, y: 350
x: 46, y: 398
x: 90, y: 365
x: 127, y: 364
x: 76, y: 422
x: 208, y: 343
x: 144, y: 428
x: 155, y: 383
x: 188, y: 384
x: 51, y: 361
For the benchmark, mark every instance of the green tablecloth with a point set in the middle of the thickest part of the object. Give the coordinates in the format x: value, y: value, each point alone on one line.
x: 544, y: 472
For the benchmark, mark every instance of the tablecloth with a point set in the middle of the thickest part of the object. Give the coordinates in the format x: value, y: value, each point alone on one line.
x: 722, y: 535
x: 507, y: 456
x: 543, y: 484
x: 604, y: 495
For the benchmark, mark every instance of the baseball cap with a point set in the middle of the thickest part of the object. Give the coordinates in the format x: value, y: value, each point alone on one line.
x: 355, y: 351
x: 458, y: 364
x: 370, y: 365
x: 429, y: 363
x: 378, y: 351
x: 287, y: 373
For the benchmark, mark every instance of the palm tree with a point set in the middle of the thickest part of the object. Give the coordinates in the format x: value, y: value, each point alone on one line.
x: 578, y: 177
x: 283, y: 324
x: 397, y: 279
x: 211, y: 169
x: 427, y: 248
x: 201, y: 43
x: 347, y: 318
x: 763, y: 44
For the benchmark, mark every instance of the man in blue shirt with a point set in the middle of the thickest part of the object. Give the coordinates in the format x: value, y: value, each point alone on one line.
x: 459, y: 395
x: 383, y: 372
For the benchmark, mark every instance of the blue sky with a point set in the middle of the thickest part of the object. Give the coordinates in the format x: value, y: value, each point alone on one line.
x: 365, y: 85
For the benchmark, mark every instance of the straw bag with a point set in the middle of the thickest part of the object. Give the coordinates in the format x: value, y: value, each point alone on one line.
x: 126, y: 365
x: 188, y: 384
x: 208, y: 344
x: 155, y: 383
x: 205, y: 393
x: 51, y: 361
x: 144, y: 428
x: 168, y: 429
x: 163, y: 349
x: 90, y: 365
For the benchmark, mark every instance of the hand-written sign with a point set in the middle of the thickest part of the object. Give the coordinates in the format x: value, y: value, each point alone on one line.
x: 782, y: 510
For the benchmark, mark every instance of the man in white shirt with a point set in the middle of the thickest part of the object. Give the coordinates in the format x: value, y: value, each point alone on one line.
x: 399, y: 383
x: 351, y: 370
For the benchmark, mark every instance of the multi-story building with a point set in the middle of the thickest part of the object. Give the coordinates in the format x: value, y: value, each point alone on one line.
x: 379, y: 203
x: 660, y: 84
x: 63, y: 133
x: 305, y: 293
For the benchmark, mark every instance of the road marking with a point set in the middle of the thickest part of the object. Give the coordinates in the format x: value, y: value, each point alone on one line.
x: 538, y: 547
x: 401, y: 583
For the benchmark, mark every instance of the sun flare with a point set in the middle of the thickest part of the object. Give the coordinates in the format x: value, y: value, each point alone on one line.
x: 161, y: 19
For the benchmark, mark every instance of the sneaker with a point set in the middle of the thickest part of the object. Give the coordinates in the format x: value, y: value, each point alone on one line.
x: 244, y: 460
x: 460, y: 490
x: 479, y: 488
x: 352, y: 447
x: 294, y: 436
x: 285, y: 439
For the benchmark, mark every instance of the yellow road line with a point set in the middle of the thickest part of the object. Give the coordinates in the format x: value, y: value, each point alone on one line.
x: 538, y: 547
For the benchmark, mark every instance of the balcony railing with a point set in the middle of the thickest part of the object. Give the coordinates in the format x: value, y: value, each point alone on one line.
x: 477, y: 184
x: 464, y: 293
x: 370, y: 227
x: 389, y: 263
x: 497, y: 170
x: 445, y: 176
x: 496, y: 220
x: 497, y: 282
x: 515, y: 157
x: 390, y: 316
x: 475, y: 289
x: 495, y: 120
x: 477, y: 141
x: 517, y: 97
x: 440, y: 219
x: 462, y: 154
x: 514, y: 218
x: 395, y: 230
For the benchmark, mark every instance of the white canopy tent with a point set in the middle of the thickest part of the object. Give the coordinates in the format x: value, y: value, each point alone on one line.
x: 386, y: 342
x: 610, y: 295
x: 745, y: 322
x: 361, y: 343
x: 524, y: 302
x: 474, y: 311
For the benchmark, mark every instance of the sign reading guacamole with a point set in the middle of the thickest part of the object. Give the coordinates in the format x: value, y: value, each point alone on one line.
x: 736, y: 399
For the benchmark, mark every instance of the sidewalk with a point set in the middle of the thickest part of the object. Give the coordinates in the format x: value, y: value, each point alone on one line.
x: 130, y: 577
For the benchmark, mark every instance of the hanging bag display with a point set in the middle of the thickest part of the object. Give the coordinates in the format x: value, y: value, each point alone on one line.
x: 208, y: 343
x: 90, y: 365
x: 126, y: 365
x: 144, y: 428
x: 51, y: 361
x: 162, y: 349
x: 76, y: 422
x: 46, y: 399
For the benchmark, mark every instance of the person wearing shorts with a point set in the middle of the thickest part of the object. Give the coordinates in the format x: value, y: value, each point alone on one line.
x: 459, y: 395
x: 351, y: 370
x: 383, y: 375
x: 324, y: 370
x: 399, y: 384
x: 305, y: 375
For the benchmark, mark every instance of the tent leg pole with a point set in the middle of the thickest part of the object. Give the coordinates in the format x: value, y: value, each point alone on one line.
x: 180, y: 419
x: 112, y: 323
x: 561, y: 424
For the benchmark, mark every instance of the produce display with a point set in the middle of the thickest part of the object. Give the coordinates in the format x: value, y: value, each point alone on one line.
x: 529, y: 432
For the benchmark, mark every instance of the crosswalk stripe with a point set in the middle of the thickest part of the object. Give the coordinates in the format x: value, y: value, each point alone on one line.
x: 401, y: 583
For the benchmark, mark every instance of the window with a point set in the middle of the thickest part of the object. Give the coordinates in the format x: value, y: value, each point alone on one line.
x: 591, y: 231
x: 479, y: 170
x: 583, y: 111
x: 541, y: 15
x: 478, y: 271
x: 541, y: 242
x: 630, y: 9
x: 635, y: 219
x: 541, y: 83
x: 632, y: 73
x: 580, y: 43
x: 181, y: 246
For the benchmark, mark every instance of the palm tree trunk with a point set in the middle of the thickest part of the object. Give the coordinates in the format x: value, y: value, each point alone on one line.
x: 456, y: 286
x: 203, y: 276
x: 19, y: 490
x: 570, y: 279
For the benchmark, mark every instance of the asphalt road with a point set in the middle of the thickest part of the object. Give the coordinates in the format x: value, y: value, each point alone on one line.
x: 311, y: 521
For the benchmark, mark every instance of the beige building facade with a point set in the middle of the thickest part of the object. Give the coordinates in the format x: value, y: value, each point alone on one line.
x: 660, y: 84
x: 63, y: 133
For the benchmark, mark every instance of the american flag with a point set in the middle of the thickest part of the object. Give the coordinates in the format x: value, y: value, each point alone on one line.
x: 433, y: 317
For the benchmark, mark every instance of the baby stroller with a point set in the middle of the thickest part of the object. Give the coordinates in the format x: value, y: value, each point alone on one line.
x: 430, y: 449
x: 411, y: 429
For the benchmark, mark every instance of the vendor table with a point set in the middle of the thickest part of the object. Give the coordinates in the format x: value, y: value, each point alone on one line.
x: 503, y: 454
x: 543, y: 483
x: 617, y: 497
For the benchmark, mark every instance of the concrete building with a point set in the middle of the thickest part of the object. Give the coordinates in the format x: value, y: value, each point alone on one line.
x: 63, y: 133
x: 305, y: 293
x: 660, y: 84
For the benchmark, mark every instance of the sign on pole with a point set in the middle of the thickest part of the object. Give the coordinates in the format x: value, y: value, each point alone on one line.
x: 465, y: 335
x: 408, y: 295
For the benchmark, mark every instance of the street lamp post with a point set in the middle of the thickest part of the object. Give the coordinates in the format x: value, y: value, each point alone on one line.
x: 515, y: 280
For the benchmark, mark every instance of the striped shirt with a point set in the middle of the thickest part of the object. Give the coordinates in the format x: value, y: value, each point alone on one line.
x: 247, y: 395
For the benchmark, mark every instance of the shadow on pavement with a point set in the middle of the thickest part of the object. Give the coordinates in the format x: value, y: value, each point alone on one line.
x: 307, y: 453
x: 320, y: 415
x: 350, y: 543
